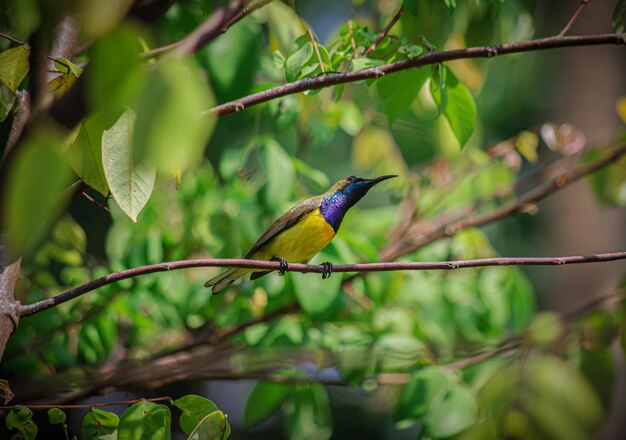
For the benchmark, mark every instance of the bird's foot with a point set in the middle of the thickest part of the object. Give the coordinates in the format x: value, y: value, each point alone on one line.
x: 328, y: 269
x: 284, y: 266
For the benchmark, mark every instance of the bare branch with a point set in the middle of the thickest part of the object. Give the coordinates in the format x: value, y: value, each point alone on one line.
x: 384, y: 33
x: 31, y: 309
x: 218, y: 23
x: 317, y: 51
x: 302, y: 85
x: 94, y: 405
x: 571, y: 21
x: 521, y: 204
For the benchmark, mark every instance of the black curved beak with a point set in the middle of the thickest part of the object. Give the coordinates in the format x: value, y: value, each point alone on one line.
x: 374, y: 181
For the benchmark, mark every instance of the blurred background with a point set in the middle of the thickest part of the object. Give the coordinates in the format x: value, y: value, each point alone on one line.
x: 533, y: 110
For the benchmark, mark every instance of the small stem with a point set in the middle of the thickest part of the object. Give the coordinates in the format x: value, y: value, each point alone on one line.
x: 571, y: 21
x: 352, y: 42
x: 384, y: 33
x: 92, y: 405
x: 15, y: 40
x: 317, y: 52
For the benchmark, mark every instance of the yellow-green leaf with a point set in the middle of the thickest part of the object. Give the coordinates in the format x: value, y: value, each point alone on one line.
x: 14, y: 66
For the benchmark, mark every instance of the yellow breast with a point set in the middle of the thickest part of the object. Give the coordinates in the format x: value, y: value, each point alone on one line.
x: 301, y: 242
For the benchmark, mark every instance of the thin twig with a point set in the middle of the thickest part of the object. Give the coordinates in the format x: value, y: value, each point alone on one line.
x: 217, y: 24
x: 522, y: 204
x: 571, y: 21
x: 31, y: 309
x: 352, y: 42
x: 384, y: 33
x: 93, y: 405
x: 305, y: 84
x: 317, y: 51
x: 10, y: 38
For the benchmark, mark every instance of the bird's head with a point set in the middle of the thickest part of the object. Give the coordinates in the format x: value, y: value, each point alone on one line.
x: 344, y: 194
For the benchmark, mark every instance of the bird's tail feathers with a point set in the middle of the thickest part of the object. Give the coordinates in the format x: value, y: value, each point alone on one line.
x: 223, y: 280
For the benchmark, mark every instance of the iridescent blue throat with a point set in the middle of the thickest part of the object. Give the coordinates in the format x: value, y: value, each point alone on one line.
x: 335, y: 206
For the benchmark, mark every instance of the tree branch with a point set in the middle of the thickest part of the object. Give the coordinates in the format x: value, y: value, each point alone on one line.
x: 571, y: 21
x: 40, y: 306
x: 423, y: 60
x: 521, y: 204
x: 218, y: 23
x: 384, y: 33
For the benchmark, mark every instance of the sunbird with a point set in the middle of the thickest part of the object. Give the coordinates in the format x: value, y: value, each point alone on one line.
x: 302, y: 231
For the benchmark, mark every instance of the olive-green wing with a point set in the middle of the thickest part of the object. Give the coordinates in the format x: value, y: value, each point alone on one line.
x: 287, y: 220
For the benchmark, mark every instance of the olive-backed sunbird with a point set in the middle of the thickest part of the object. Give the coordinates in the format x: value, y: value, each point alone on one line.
x: 302, y: 231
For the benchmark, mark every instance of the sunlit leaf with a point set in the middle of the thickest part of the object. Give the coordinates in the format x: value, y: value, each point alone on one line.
x: 280, y: 174
x: 85, y: 154
x: 452, y: 412
x: 460, y: 110
x: 194, y: 409
x: 295, y: 61
x: 145, y: 421
x: 14, y: 66
x: 115, y: 72
x: 131, y: 184
x: 212, y: 427
x: 30, y: 203
x: 56, y: 416
x: 7, y: 99
x: 398, y: 91
x: 170, y: 129
x: 19, y: 418
x: 307, y: 414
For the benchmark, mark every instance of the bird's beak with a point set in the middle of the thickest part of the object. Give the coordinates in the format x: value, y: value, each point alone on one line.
x: 372, y: 182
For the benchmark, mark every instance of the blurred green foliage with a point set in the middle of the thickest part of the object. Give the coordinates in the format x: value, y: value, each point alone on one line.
x: 142, y: 145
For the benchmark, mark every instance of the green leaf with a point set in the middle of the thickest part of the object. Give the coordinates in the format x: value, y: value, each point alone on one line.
x: 131, y: 184
x: 364, y: 63
x: 99, y: 425
x: 56, y: 416
x: 145, y: 421
x: 460, y: 110
x: 19, y: 419
x: 116, y: 76
x: 64, y: 65
x: 32, y: 203
x: 280, y: 174
x: 61, y: 84
x: 452, y: 412
x: 316, y: 176
x: 295, y: 61
x: 597, y: 366
x: 397, y: 352
x: 211, y: 427
x: 398, y: 91
x: 314, y: 294
x: 233, y: 62
x: 14, y: 66
x: 7, y: 99
x: 560, y: 398
x: 264, y: 399
x: 195, y: 409
x: 85, y: 154
x: 307, y: 414
x: 278, y: 59
x: 422, y: 388
x: 170, y: 128
x: 411, y: 6
x: 619, y: 16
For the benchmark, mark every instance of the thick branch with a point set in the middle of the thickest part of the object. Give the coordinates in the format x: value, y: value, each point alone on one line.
x: 519, y: 205
x: 423, y: 60
x: 31, y: 309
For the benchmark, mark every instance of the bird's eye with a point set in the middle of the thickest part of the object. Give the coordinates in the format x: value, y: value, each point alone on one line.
x: 351, y: 178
